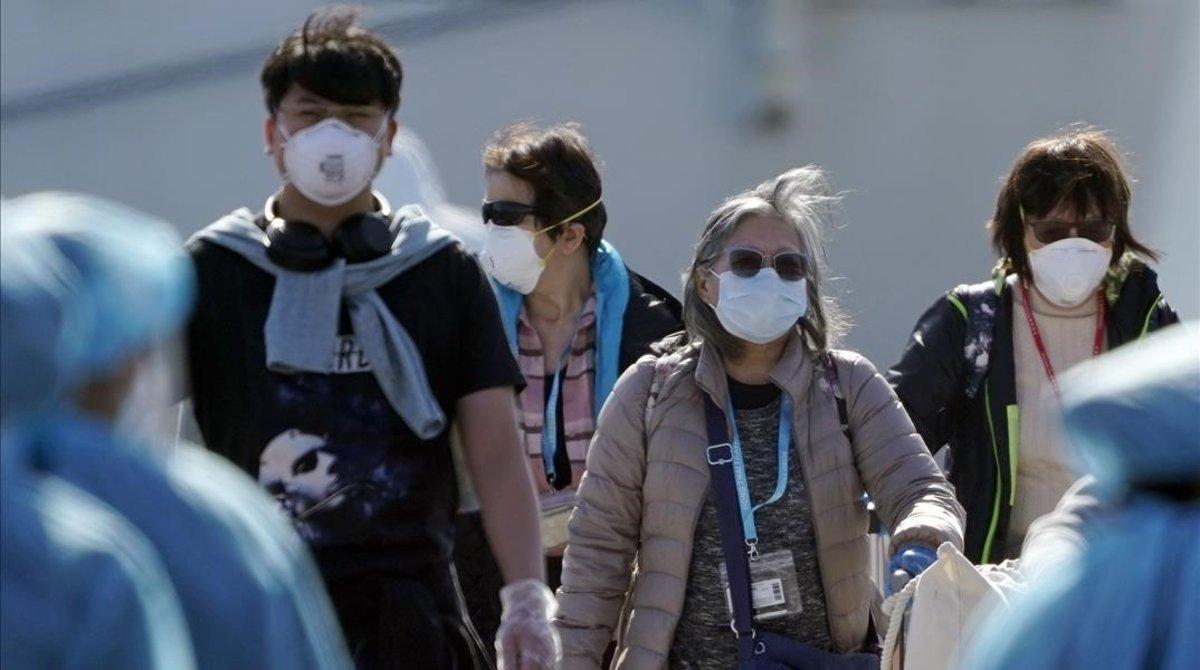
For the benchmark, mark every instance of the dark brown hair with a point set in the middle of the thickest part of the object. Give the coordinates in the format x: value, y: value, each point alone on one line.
x: 1080, y: 169
x: 334, y: 57
x: 560, y: 166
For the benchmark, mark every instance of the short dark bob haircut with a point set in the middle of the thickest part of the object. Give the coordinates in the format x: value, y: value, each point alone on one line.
x: 1080, y: 169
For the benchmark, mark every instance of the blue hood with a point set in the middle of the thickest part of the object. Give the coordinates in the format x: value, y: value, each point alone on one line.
x: 85, y: 284
x: 611, y: 279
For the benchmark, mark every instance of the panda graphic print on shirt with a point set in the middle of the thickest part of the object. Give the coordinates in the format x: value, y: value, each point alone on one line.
x: 332, y: 481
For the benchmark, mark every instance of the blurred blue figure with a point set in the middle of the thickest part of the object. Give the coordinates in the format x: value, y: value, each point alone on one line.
x: 81, y: 587
x: 1132, y: 600
x: 93, y: 294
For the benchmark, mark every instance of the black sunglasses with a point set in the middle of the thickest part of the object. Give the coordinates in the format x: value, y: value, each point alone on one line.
x: 789, y: 265
x: 1048, y: 232
x: 505, y: 212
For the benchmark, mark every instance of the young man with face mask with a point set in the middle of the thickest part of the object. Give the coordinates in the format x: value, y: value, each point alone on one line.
x: 334, y: 343
x: 980, y: 371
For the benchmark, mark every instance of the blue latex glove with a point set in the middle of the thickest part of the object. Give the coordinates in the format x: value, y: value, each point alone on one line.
x: 908, y: 562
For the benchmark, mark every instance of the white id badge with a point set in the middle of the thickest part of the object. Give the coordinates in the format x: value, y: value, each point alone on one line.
x: 774, y: 587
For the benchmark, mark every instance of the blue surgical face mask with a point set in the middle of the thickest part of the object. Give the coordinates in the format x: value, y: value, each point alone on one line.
x: 762, y: 308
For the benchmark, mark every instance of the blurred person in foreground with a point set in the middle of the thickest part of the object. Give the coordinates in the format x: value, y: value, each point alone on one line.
x: 769, y: 497
x: 1129, y: 598
x: 94, y: 296
x: 79, y: 586
x: 979, y: 372
x: 334, y: 343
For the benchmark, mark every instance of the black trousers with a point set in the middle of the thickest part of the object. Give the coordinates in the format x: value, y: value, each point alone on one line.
x: 398, y: 621
x: 480, y: 576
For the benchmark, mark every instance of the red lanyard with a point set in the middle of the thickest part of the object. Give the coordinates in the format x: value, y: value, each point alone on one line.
x: 1097, y: 343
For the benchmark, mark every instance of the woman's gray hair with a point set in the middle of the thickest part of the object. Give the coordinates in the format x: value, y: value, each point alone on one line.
x: 804, y: 199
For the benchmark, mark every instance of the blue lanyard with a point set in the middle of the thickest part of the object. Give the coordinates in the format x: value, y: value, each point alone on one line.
x: 550, y: 415
x: 749, y: 530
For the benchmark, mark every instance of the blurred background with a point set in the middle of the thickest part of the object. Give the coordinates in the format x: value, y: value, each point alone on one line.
x: 915, y: 108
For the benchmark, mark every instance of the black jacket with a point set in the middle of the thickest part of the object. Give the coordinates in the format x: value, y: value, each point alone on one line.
x: 931, y: 380
x: 651, y: 315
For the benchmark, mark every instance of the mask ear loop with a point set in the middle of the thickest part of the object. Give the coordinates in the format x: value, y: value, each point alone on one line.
x: 1007, y: 262
x: 287, y: 139
x: 578, y: 214
x: 381, y: 132
x: 567, y: 220
x: 377, y: 140
x: 715, y: 274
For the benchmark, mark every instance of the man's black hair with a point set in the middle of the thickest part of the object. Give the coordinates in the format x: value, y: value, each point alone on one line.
x: 335, y: 58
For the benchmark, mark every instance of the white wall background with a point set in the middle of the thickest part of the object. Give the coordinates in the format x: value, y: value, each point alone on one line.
x: 915, y: 110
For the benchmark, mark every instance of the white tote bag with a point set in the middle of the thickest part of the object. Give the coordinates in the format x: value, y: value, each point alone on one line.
x: 946, y: 599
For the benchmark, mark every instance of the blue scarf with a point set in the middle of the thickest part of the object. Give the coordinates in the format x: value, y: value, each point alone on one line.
x: 302, y: 324
x: 611, y: 280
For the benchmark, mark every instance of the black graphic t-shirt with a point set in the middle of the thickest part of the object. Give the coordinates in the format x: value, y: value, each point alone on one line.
x: 363, y: 489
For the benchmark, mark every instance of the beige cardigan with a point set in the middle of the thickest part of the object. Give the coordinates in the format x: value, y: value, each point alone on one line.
x: 647, y: 478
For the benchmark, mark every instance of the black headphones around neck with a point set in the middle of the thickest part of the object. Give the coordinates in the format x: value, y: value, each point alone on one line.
x: 302, y: 247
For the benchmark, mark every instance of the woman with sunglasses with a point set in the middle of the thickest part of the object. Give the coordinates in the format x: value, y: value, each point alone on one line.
x: 747, y: 451
x: 575, y: 315
x: 980, y: 370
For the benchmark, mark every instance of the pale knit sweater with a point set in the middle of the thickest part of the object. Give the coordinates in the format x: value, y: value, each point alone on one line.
x: 1046, y: 468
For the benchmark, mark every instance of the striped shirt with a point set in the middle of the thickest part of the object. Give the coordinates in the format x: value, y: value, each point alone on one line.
x: 576, y: 392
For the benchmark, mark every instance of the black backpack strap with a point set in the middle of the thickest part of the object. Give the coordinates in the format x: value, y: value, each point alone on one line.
x: 830, y: 375
x: 737, y: 567
x: 835, y: 388
x: 981, y: 302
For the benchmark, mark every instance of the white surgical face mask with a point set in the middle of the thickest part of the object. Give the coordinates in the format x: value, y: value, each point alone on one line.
x: 762, y: 308
x: 1069, y: 271
x: 509, y: 256
x: 330, y: 162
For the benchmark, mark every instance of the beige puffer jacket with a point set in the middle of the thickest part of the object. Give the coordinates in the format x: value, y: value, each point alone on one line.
x: 647, y: 479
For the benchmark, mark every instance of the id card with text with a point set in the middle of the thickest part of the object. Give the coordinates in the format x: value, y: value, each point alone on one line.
x: 774, y: 587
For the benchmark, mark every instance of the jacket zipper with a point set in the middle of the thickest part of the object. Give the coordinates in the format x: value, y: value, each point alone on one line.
x: 991, y: 534
x: 1014, y: 441
x: 1149, y: 313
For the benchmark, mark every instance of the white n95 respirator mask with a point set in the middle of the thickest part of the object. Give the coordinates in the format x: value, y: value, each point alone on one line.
x: 510, y: 258
x: 1069, y: 271
x: 330, y: 162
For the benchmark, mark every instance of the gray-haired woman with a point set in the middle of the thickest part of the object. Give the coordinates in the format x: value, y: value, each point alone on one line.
x: 759, y: 342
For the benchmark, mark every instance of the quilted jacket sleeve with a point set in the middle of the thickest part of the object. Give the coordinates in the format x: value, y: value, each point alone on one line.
x: 604, y: 529
x: 914, y: 498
